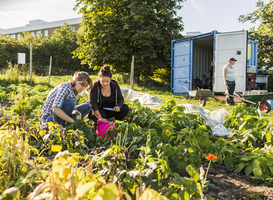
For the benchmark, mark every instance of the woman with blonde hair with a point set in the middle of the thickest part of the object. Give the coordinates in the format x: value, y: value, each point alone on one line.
x: 61, y: 101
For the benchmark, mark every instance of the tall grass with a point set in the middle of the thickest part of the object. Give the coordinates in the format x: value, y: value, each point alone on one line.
x: 14, y: 75
x: 155, y: 87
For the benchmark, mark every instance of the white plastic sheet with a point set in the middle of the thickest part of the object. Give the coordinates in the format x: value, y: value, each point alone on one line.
x: 214, y: 120
x: 218, y: 117
x: 144, y: 98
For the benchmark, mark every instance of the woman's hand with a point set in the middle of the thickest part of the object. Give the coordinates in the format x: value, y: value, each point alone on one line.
x: 225, y: 82
x: 103, y: 119
x: 116, y: 109
x: 77, y: 113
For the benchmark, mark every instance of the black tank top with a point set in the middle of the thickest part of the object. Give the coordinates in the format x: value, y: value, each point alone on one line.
x: 108, y: 102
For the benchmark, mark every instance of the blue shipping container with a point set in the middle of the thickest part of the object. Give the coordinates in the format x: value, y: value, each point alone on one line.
x: 198, y: 61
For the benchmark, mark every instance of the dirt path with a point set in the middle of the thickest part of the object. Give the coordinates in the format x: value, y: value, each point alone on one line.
x: 228, y: 185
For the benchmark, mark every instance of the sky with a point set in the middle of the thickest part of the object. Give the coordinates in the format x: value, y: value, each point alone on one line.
x: 198, y: 15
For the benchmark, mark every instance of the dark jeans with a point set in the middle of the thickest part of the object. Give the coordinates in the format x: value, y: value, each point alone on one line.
x: 68, y: 106
x: 231, y: 89
x: 109, y: 114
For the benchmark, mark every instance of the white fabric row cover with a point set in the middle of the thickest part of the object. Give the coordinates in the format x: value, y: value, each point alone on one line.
x: 145, y: 99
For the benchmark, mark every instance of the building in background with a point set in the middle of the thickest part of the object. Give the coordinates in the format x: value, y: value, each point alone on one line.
x: 41, y: 28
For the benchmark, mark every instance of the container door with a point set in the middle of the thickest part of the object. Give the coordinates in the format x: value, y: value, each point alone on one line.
x: 252, y: 53
x: 232, y: 44
x: 181, y: 67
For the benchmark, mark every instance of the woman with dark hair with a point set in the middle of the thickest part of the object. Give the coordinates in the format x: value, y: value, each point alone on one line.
x: 106, y: 98
x: 61, y: 101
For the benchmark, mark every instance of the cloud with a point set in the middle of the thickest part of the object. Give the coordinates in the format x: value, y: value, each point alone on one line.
x: 197, y: 8
x: 2, y: 13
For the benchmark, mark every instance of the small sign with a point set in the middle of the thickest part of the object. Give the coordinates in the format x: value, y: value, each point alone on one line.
x: 21, y: 58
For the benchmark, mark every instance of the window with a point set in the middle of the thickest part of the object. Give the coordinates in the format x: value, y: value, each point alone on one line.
x: 46, y: 33
x: 73, y: 28
x: 32, y: 34
x: 12, y: 35
x: 39, y: 33
x: 18, y: 36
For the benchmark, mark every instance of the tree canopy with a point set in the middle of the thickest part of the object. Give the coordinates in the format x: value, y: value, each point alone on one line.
x: 264, y: 32
x: 59, y: 46
x: 115, y: 30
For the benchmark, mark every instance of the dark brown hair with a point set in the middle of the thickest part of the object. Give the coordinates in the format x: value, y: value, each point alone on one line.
x: 105, y: 71
x: 83, y: 78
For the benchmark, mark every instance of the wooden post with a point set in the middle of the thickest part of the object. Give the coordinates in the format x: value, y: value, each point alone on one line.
x: 25, y: 67
x: 132, y: 74
x: 30, y: 63
x: 17, y: 72
x: 50, y: 63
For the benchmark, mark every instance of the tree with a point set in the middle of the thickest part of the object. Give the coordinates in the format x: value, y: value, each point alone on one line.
x: 62, y: 43
x: 114, y: 30
x: 264, y: 32
x: 9, y: 48
x: 59, y: 46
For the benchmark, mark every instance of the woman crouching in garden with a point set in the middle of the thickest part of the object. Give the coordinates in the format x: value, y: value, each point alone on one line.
x: 61, y: 101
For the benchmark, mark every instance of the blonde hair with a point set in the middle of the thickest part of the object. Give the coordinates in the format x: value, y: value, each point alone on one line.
x: 83, y: 79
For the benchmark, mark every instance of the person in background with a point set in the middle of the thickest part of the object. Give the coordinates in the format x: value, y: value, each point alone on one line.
x: 61, y: 101
x: 229, y: 79
x: 106, y: 98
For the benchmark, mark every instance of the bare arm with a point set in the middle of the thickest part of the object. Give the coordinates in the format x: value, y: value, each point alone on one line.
x: 224, y: 75
x: 98, y: 115
x: 60, y: 113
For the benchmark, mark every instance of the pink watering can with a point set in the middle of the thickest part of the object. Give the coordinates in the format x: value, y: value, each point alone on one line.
x: 102, y: 127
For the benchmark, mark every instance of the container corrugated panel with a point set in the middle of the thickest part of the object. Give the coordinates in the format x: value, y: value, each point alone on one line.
x: 252, y: 54
x: 203, y: 63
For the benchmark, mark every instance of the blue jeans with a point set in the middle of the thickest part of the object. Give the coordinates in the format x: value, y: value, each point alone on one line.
x: 68, y: 106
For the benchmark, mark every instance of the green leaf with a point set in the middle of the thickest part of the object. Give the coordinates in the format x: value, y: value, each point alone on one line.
x: 240, y: 167
x: 257, y: 171
x: 108, y: 191
x: 228, y: 162
x: 223, y: 150
x: 12, y: 192
x: 268, y: 137
x: 33, y: 171
x: 248, y: 170
x: 193, y: 173
x: 130, y: 184
x: 151, y: 194
x: 182, y: 166
x: 185, y: 195
x: 31, y: 164
x: 56, y: 148
x: 80, y: 191
x: 256, y: 163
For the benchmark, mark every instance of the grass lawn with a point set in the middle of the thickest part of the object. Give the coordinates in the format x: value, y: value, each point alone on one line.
x: 162, y: 91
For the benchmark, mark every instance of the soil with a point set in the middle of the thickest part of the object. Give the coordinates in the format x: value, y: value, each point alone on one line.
x: 225, y: 184
x: 4, y: 103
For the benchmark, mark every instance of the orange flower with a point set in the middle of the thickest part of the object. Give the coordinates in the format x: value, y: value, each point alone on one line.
x: 211, y: 157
